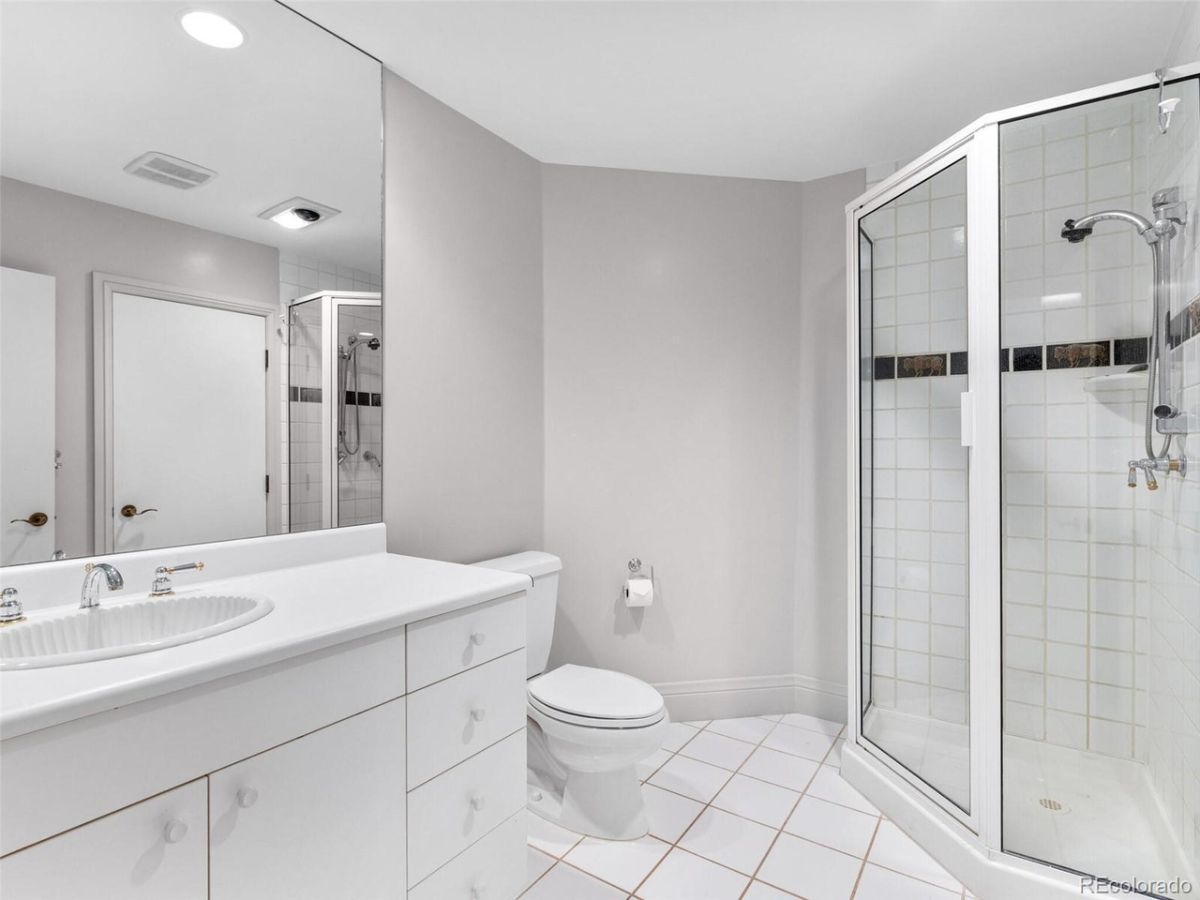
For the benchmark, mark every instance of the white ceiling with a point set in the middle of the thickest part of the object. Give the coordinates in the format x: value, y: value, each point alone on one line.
x: 85, y: 87
x: 768, y: 90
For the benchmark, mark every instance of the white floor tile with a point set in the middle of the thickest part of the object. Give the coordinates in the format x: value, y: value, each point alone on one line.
x: 677, y: 735
x: 690, y: 777
x: 682, y: 876
x: 809, y: 870
x: 536, y: 864
x: 799, y: 742
x: 752, y: 729
x: 760, y: 891
x: 669, y: 814
x: 649, y: 766
x: 774, y: 717
x: 828, y: 784
x: 550, y: 838
x: 623, y: 863
x: 834, y: 826
x: 729, y: 840
x: 717, y: 750
x: 699, y: 723
x: 895, y: 850
x: 884, y: 884
x: 780, y: 768
x: 812, y: 723
x: 757, y: 800
x: 563, y: 881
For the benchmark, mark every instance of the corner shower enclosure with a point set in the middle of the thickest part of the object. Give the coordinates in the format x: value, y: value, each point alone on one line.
x: 1025, y: 568
x: 334, y: 458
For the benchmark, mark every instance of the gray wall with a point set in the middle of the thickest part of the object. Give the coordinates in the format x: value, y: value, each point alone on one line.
x: 70, y: 237
x: 673, y: 352
x: 820, y: 549
x: 463, y: 318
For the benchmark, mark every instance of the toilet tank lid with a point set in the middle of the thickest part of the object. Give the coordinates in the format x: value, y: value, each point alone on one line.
x: 533, y: 563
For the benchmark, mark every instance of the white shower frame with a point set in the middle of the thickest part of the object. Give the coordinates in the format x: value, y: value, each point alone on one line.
x: 331, y: 302
x: 968, y: 844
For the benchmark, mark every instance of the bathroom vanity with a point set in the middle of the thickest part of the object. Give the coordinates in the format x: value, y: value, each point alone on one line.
x: 364, y: 739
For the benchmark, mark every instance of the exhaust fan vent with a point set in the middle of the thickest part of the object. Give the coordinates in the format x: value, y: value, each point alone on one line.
x: 170, y: 170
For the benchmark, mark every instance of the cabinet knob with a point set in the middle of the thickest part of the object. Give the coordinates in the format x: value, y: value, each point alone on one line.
x: 175, y: 831
x: 247, y: 797
x: 479, y: 890
x: 477, y: 802
x: 477, y: 714
x: 477, y: 638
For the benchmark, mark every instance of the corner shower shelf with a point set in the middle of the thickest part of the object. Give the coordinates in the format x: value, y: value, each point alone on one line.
x: 1118, y: 381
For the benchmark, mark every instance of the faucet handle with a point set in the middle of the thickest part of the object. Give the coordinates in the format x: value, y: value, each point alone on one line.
x: 162, y: 582
x: 10, y: 607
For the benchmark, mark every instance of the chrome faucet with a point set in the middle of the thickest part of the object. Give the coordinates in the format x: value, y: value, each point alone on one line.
x: 162, y: 581
x: 10, y: 608
x: 89, y: 596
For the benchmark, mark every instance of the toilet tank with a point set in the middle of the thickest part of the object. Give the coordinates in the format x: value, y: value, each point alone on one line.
x: 541, y: 604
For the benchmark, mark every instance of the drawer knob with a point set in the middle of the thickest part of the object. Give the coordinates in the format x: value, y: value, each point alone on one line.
x: 477, y: 802
x: 175, y: 831
x: 477, y: 714
x: 247, y: 797
x: 477, y: 638
x: 478, y: 890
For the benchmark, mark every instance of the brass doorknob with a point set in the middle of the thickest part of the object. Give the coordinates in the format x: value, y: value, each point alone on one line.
x: 129, y: 511
x: 37, y: 520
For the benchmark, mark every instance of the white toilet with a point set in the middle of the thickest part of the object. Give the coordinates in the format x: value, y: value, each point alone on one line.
x: 588, y: 728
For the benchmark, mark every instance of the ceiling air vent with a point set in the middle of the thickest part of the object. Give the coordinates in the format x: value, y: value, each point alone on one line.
x: 170, y: 170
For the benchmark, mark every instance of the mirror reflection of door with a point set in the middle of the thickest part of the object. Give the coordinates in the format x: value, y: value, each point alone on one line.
x: 187, y: 423
x: 26, y: 417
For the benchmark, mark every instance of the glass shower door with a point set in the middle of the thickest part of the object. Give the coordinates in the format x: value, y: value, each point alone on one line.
x: 915, y: 694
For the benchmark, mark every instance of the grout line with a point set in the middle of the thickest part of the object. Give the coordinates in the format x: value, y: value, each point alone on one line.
x: 792, y: 811
x: 862, y: 868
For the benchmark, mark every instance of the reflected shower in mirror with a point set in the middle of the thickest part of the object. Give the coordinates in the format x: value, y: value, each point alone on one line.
x: 163, y: 380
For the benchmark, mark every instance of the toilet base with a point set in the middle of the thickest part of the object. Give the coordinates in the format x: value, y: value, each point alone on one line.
x: 606, y: 805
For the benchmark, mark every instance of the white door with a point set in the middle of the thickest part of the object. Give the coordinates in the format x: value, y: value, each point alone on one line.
x: 189, y: 430
x: 314, y: 819
x: 26, y: 417
x: 154, y: 850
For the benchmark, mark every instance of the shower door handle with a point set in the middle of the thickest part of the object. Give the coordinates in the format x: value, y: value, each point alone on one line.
x: 966, y: 418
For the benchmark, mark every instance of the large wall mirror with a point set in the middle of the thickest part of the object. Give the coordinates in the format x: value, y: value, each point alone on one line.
x: 190, y: 240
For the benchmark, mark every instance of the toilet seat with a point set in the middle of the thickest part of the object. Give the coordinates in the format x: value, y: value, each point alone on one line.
x: 596, y: 698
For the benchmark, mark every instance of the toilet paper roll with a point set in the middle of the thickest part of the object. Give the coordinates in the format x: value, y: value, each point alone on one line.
x: 639, y: 592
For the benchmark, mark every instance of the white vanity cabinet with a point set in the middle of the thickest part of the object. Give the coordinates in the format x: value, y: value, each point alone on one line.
x: 154, y: 849
x: 389, y: 766
x: 318, y: 817
x: 466, y: 753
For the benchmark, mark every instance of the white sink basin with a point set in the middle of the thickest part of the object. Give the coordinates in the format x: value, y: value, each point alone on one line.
x: 122, y: 629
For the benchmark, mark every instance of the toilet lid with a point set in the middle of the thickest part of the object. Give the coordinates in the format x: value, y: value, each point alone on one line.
x: 595, y: 693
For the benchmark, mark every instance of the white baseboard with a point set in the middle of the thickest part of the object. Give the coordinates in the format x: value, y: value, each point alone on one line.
x: 755, y: 695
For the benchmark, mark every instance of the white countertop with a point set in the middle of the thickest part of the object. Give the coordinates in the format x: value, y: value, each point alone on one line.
x: 316, y: 606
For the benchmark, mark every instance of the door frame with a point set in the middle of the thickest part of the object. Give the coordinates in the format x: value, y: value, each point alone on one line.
x: 979, y: 149
x: 104, y: 285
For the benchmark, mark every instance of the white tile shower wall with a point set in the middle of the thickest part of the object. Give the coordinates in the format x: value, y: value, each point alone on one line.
x: 918, y: 550
x: 1169, y: 553
x: 298, y: 277
x: 1082, y: 654
x: 1071, y: 624
x: 360, y: 496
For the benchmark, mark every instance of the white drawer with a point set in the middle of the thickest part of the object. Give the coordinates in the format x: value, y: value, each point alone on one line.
x: 448, y: 814
x: 457, y: 717
x: 454, y: 642
x: 493, y: 868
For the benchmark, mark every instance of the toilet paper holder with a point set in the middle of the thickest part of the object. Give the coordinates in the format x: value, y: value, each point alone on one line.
x: 635, y: 569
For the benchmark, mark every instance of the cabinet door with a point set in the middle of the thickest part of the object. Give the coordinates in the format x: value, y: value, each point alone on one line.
x: 154, y: 850
x: 319, y: 817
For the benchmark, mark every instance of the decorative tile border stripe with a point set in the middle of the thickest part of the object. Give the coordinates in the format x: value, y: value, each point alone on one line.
x: 1074, y: 355
x: 353, y: 398
x: 304, y: 394
x: 1186, y: 325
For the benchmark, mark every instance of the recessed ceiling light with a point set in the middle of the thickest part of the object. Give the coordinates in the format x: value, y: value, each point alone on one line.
x: 298, y: 213
x: 212, y: 29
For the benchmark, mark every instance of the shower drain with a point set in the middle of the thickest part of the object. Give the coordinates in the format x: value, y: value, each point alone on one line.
x: 1052, y: 805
